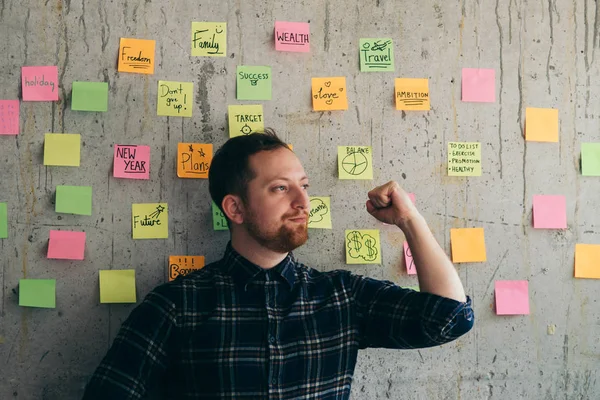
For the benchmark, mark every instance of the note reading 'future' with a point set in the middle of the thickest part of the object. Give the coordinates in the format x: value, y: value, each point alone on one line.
x: 150, y: 220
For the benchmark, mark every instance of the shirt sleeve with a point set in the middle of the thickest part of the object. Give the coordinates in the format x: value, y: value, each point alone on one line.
x: 390, y: 316
x: 139, y: 354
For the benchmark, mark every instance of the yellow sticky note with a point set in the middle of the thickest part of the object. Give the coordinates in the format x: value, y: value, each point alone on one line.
x: 62, y: 149
x: 175, y: 99
x: 541, y: 124
x: 117, y: 286
x: 209, y: 39
x: 587, y: 261
x: 183, y: 265
x: 329, y: 93
x: 150, y: 220
x: 363, y: 246
x: 355, y: 162
x: 412, y: 94
x: 136, y: 55
x: 468, y: 245
x: 246, y: 119
x: 464, y: 159
x: 320, y: 213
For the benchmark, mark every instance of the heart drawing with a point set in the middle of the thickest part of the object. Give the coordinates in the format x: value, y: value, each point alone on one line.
x: 329, y: 102
x: 328, y: 83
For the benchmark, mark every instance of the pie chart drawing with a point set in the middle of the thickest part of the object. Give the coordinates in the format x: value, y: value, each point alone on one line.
x: 355, y: 163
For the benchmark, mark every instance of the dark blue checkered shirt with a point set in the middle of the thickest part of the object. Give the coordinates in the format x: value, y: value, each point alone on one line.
x: 235, y: 331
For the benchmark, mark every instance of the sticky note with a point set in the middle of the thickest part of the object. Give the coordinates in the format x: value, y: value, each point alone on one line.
x: 549, y: 212
x: 409, y: 261
x: 292, y: 36
x: 193, y: 160
x: 415, y: 288
x: 355, y: 162
x: 464, y: 159
x: 150, y: 220
x: 3, y: 221
x: 376, y: 55
x: 319, y: 216
x: 512, y: 297
x: 363, y: 246
x: 253, y: 83
x: 479, y: 85
x: 66, y: 245
x: 89, y: 96
x: 40, y: 83
x: 39, y: 293
x: 219, y: 219
x: 183, y: 265
x: 209, y: 39
x: 74, y: 200
x: 468, y: 245
x: 587, y: 261
x: 412, y: 198
x: 175, y: 99
x: 541, y: 124
x: 244, y: 120
x: 62, y: 149
x: 131, y: 161
x: 136, y: 55
x: 412, y: 94
x: 329, y: 94
x: 9, y: 117
x: 117, y: 286
x: 590, y: 159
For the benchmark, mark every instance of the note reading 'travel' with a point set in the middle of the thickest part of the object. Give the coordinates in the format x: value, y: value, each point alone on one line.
x: 292, y: 36
x: 376, y: 55
x: 464, y: 159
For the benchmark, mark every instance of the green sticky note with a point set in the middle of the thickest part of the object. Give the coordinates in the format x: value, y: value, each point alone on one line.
x: 219, y: 220
x: 253, y: 83
x: 74, y: 200
x: 37, y: 293
x: 415, y: 288
x: 117, y: 286
x: 590, y: 159
x: 89, y: 96
x: 376, y: 55
x: 3, y: 221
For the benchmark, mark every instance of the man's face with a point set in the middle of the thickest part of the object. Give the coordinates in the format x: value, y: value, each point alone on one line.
x: 276, y: 211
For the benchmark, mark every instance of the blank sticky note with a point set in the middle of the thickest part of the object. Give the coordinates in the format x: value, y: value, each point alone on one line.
x: 193, y: 160
x: 541, y: 124
x: 549, y: 212
x: 40, y: 83
x: 219, y: 220
x: 74, y: 200
x: 319, y: 216
x: 464, y: 159
x: 131, y: 162
x: 412, y: 197
x: 587, y: 261
x: 209, y: 39
x: 409, y: 260
x: 253, y: 82
x: 183, y: 265
x: 89, y: 96
x: 175, y: 99
x: 479, y: 85
x: 355, y: 162
x: 468, y: 245
x: 117, y: 286
x: 512, y: 297
x: 39, y: 293
x: 590, y: 159
x: 376, y: 55
x: 9, y: 117
x: 329, y: 94
x: 246, y: 119
x: 62, y: 149
x: 150, y: 220
x: 363, y: 246
x: 66, y: 245
x: 3, y: 221
x: 292, y: 36
x: 136, y: 55
x: 412, y: 94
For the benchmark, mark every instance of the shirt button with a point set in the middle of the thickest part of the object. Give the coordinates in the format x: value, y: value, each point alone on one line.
x: 272, y: 339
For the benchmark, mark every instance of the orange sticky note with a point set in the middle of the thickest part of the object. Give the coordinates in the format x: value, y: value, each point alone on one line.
x: 541, y: 124
x: 193, y: 160
x: 587, y: 261
x: 183, y: 265
x: 329, y: 94
x: 136, y: 55
x: 468, y: 245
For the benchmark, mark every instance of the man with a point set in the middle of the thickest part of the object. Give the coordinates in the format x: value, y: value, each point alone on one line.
x: 259, y: 324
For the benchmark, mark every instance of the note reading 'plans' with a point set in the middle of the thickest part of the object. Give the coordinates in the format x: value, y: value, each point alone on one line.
x: 464, y: 159
x: 117, y: 286
x: 219, y: 220
x: 3, y: 221
x: 66, y: 245
x: 183, y: 265
x: 246, y: 119
x: 62, y: 149
x: 329, y: 94
x: 193, y: 160
x: 175, y: 99
x: 40, y: 293
x: 89, y: 96
x: 587, y: 261
x: 409, y: 260
x: 468, y: 245
x: 355, y: 162
x: 363, y: 246
x: 590, y: 159
x: 136, y: 55
x: 292, y: 36
x: 209, y: 39
x: 549, y: 212
x: 512, y: 297
x: 253, y: 83
x: 541, y: 124
x: 40, y: 83
x: 412, y: 94
x: 74, y: 200
x: 150, y: 220
x: 479, y: 85
x: 319, y: 216
x: 131, y: 161
x: 376, y: 55
x: 9, y: 117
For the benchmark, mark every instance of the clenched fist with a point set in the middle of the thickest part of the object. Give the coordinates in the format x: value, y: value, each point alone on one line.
x: 389, y: 203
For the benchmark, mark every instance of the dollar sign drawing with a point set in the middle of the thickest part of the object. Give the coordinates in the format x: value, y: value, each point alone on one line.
x: 354, y: 242
x: 371, y: 252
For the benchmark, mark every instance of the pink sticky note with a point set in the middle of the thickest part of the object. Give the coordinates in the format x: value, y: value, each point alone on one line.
x: 132, y: 162
x: 9, y: 117
x: 292, y: 36
x: 412, y: 198
x: 410, y: 262
x: 549, y: 212
x: 479, y: 85
x: 40, y: 83
x: 512, y: 297
x: 66, y: 245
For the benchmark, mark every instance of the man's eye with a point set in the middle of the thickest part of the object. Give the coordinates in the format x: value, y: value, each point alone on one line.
x: 280, y: 188
x: 306, y: 186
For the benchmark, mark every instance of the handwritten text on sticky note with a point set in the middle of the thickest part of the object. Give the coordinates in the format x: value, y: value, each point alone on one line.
x: 363, y: 246
x: 246, y: 119
x: 219, y: 219
x: 253, y: 82
x: 376, y: 55
x: 412, y: 94
x: 183, y: 265
x: 319, y: 216
x: 9, y: 117
x: 40, y: 83
x: 131, y: 162
x: 150, y: 220
x: 355, y: 162
x: 175, y: 99
x: 136, y: 55
x: 292, y: 36
x: 329, y: 94
x: 193, y: 160
x: 66, y: 245
x: 409, y: 260
x: 464, y: 159
x: 62, y: 149
x: 209, y: 39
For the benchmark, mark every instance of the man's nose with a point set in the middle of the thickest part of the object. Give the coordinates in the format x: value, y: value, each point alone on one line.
x: 301, y: 200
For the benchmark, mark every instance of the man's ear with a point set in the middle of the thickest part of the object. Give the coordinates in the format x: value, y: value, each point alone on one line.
x: 233, y: 207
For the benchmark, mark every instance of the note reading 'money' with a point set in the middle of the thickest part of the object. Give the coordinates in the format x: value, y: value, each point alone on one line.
x: 209, y: 39
x: 175, y: 99
x: 9, y: 117
x: 329, y: 94
x: 40, y: 83
x: 136, y: 55
x: 292, y: 36
x: 363, y: 246
x: 131, y: 162
x: 464, y: 159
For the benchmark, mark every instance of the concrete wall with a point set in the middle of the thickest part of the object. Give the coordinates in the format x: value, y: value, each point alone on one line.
x: 544, y: 55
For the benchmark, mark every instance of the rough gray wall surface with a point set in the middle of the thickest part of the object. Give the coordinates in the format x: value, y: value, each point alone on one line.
x: 544, y: 55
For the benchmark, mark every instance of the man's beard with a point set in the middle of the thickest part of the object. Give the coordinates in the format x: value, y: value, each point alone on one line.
x: 284, y: 240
